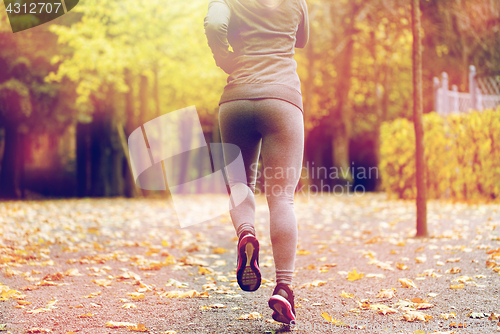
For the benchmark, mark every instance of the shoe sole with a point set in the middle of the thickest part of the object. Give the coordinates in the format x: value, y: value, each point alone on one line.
x: 282, y: 309
x: 248, y: 273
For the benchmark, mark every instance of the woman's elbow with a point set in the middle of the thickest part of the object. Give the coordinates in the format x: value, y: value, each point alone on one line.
x: 215, y: 27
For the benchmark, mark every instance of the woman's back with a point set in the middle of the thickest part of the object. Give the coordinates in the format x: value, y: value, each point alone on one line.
x: 263, y: 34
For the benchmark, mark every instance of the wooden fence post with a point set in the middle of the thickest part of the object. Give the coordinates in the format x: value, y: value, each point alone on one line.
x: 455, y: 105
x: 472, y: 87
x: 444, y: 94
x: 437, y: 106
x: 479, y: 99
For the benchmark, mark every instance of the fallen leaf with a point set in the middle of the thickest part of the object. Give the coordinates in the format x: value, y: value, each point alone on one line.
x: 446, y: 316
x: 128, y: 305
x: 330, y: 319
x: 88, y: 315
x: 416, y: 316
x: 213, y: 306
x: 219, y: 250
x: 177, y: 284
x: 38, y: 330
x: 183, y: 294
x: 72, y: 272
x: 250, y: 316
x: 117, y: 324
x: 453, y: 260
x: 354, y: 275
x: 386, y: 293
x: 401, y: 266
x: 407, y: 283
x: 478, y: 315
x: 138, y: 328
x: 102, y: 282
x: 136, y: 295
x: 346, y: 295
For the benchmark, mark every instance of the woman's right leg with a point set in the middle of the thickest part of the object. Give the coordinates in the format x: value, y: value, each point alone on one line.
x: 282, y: 127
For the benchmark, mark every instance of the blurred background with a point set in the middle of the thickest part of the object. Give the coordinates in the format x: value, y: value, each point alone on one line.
x: 73, y: 89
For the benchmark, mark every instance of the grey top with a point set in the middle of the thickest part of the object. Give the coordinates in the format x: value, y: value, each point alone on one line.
x: 263, y: 34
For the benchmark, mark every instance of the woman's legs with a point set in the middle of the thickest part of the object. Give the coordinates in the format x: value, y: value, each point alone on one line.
x: 280, y: 126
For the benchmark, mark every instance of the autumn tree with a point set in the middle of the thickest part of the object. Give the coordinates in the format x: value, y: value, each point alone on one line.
x: 418, y: 122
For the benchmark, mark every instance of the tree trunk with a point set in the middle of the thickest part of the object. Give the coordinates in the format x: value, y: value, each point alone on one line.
x: 9, y: 174
x: 418, y: 122
x: 308, y: 97
x: 117, y: 154
x: 342, y: 118
x: 130, y: 187
x: 145, y: 116
x: 83, y: 158
x: 100, y: 154
x: 156, y: 90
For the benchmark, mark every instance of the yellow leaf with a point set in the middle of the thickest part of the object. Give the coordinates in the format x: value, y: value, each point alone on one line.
x: 401, y: 266
x: 354, y: 275
x: 346, y: 295
x: 456, y: 286
x: 407, y: 283
x: 330, y: 319
x: 453, y: 260
x: 203, y: 271
x: 385, y: 311
x: 128, y: 305
x: 117, y: 324
x: 93, y: 294
x: 88, y: 315
x: 138, y: 328
x: 219, y: 250
x: 446, y: 316
x: 38, y: 330
x: 72, y: 272
x: 182, y: 294
x: 23, y: 302
x: 386, y: 293
x: 416, y: 316
x: 136, y: 295
x: 251, y: 316
x: 102, y: 282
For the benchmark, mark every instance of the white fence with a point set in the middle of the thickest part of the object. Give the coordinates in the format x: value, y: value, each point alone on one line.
x: 484, y: 93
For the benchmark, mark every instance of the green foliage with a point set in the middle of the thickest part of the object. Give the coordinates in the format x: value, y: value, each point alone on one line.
x: 462, y: 154
x: 160, y: 36
x: 15, y: 96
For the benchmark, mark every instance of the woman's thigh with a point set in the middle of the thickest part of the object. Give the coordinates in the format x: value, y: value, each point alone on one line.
x: 237, y: 126
x: 281, y: 125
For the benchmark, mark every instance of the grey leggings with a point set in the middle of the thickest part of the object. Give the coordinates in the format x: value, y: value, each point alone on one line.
x: 276, y: 128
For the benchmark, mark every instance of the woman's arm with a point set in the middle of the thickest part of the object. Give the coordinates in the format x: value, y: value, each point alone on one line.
x: 303, y: 31
x: 216, y: 23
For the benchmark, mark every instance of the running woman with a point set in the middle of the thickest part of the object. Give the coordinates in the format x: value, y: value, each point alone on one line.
x: 261, y: 111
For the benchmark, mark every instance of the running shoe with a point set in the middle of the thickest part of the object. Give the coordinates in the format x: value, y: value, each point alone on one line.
x: 282, y: 303
x: 248, y: 273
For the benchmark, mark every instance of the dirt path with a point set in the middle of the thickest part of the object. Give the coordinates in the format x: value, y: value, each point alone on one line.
x: 84, y: 266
